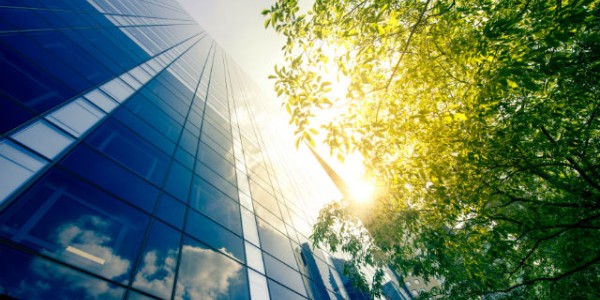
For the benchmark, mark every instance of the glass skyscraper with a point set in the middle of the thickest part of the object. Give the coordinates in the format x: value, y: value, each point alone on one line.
x: 132, y: 163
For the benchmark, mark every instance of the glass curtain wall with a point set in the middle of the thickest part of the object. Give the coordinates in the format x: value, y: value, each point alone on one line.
x: 132, y: 165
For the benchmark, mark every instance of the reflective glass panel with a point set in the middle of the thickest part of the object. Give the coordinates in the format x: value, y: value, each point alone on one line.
x: 280, y: 292
x: 284, y: 274
x: 25, y: 276
x: 156, y: 271
x: 206, y: 274
x: 214, y: 235
x: 171, y: 211
x: 130, y: 150
x: 275, y: 243
x: 17, y: 165
x: 101, y: 100
x: 73, y: 222
x: 76, y: 117
x: 178, y: 183
x: 43, y: 138
x: 109, y: 175
x: 210, y: 201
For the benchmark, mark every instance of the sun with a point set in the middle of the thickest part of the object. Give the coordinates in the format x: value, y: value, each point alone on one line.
x: 352, y: 170
x: 362, y: 191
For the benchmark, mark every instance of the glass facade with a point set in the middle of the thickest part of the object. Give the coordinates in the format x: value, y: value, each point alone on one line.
x: 132, y: 164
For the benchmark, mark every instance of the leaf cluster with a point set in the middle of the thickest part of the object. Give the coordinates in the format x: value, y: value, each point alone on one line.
x: 481, y: 118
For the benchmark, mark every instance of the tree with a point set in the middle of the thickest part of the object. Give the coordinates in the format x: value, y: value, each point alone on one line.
x: 480, y: 120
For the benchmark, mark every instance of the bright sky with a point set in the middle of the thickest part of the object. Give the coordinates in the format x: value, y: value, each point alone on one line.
x: 237, y: 26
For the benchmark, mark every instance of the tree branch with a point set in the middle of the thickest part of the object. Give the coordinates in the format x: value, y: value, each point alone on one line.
x: 412, y: 32
x: 515, y: 199
x: 574, y: 164
x: 551, y: 279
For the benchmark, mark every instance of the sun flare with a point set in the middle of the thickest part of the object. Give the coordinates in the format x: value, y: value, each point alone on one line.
x: 353, y: 171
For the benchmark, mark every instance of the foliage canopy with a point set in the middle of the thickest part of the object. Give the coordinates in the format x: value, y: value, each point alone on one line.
x: 480, y: 118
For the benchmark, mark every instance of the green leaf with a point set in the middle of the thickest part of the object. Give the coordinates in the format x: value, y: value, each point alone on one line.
x: 512, y: 84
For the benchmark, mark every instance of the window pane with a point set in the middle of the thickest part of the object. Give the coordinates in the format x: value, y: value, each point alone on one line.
x: 130, y: 150
x: 73, y: 222
x: 206, y: 274
x: 171, y: 211
x: 32, y: 277
x: 13, y: 113
x: 214, y: 235
x: 145, y: 130
x: 179, y: 181
x: 210, y: 201
x: 118, y: 89
x: 141, y: 75
x: 284, y: 274
x: 156, y: 272
x: 254, y: 258
x: 114, y: 178
x: 211, y: 176
x: 258, y: 285
x: 43, y: 138
x: 17, y: 165
x: 131, y: 81
x: 280, y: 292
x: 275, y: 243
x: 250, y: 230
x: 101, y: 100
x: 76, y: 117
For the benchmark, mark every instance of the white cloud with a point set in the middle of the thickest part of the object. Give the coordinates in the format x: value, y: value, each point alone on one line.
x: 205, y: 274
x: 91, y: 235
x: 51, y: 273
x: 156, y: 275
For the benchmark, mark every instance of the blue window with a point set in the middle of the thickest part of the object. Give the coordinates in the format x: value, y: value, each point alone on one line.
x: 163, y: 104
x: 217, y: 162
x: 115, y: 44
x: 211, y: 176
x: 144, y: 129
x: 223, y: 140
x: 207, y: 274
x: 156, y: 272
x: 25, y: 19
x: 156, y: 90
x: 68, y: 53
x: 13, y: 113
x: 184, y: 157
x: 78, y: 224
x: 214, y: 235
x: 31, y: 277
x: 171, y: 211
x: 280, y: 292
x: 114, y: 178
x: 178, y: 183
x: 26, y: 81
x: 284, y: 274
x: 275, y: 243
x: 73, y: 67
x: 97, y: 47
x: 216, y: 205
x: 188, y: 141
x: 69, y: 19
x: 154, y: 116
x: 130, y: 150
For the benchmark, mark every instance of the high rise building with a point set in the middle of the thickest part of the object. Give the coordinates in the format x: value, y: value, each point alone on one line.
x: 133, y: 164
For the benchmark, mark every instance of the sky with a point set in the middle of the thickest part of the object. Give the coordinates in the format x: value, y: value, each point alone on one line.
x: 237, y: 26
